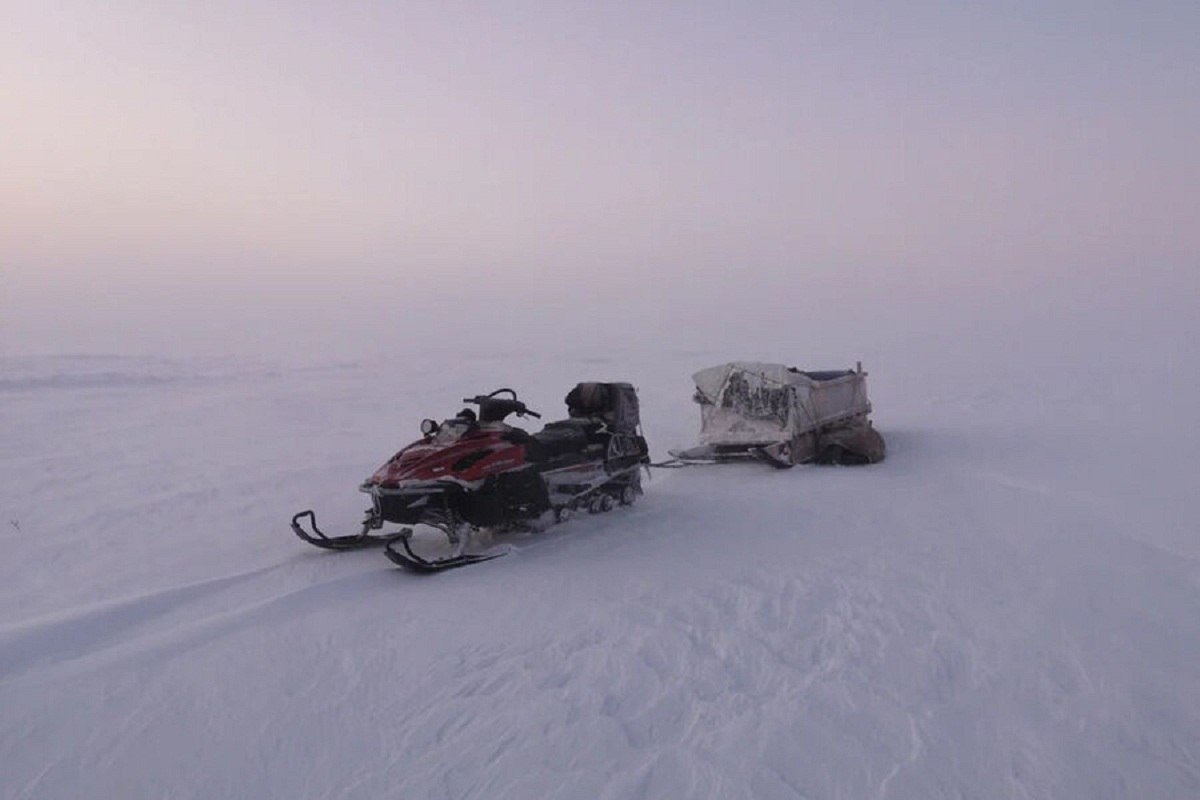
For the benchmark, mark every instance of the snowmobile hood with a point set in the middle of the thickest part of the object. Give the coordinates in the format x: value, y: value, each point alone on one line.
x: 468, y: 458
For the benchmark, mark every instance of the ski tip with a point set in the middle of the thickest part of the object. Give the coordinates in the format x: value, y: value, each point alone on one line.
x: 409, y: 560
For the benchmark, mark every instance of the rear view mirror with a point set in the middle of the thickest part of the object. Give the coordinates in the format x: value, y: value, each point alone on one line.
x: 428, y: 427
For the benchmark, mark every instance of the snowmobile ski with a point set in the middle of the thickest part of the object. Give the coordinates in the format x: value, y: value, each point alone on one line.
x: 415, y: 563
x: 359, y: 541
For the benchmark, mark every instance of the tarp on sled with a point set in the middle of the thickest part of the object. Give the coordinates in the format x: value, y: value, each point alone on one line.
x: 758, y: 404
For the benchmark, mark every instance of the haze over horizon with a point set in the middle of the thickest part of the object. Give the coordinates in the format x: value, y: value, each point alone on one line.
x: 223, y: 178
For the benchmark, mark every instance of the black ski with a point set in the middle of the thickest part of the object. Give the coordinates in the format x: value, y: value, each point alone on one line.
x: 318, y: 538
x: 411, y: 561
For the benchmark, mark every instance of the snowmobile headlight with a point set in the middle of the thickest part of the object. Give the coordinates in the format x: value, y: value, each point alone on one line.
x: 429, y: 427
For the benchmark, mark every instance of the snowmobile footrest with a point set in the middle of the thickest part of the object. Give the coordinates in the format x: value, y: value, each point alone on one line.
x: 411, y: 561
x: 317, y: 537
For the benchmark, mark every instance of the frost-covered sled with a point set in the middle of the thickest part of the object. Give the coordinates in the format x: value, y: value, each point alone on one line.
x: 783, y: 415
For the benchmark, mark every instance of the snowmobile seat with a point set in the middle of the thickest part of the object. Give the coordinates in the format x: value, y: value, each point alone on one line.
x: 577, y: 423
x: 559, y: 439
x: 592, y: 428
x: 535, y: 451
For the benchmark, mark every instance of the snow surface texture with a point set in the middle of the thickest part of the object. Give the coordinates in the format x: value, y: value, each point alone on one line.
x: 1008, y: 607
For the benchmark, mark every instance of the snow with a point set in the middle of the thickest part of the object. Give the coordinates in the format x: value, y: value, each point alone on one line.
x: 1008, y: 607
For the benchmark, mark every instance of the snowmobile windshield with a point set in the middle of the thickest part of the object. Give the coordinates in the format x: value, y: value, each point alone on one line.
x: 452, y: 430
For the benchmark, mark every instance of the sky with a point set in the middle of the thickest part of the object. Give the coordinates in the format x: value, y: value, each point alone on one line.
x: 351, y: 177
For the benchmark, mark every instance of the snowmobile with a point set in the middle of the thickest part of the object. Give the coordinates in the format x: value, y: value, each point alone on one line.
x: 475, y: 471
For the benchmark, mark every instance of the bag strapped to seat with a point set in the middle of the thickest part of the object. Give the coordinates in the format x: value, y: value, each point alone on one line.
x: 614, y: 403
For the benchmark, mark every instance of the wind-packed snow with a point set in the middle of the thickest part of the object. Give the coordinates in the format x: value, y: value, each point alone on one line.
x: 1007, y: 607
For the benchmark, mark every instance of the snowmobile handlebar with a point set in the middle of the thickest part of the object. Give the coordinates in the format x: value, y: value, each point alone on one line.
x: 492, y: 408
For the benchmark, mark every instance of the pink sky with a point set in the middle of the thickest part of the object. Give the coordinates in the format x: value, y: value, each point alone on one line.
x: 206, y: 168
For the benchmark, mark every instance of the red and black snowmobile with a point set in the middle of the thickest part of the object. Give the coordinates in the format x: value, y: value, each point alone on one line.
x: 476, y: 471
